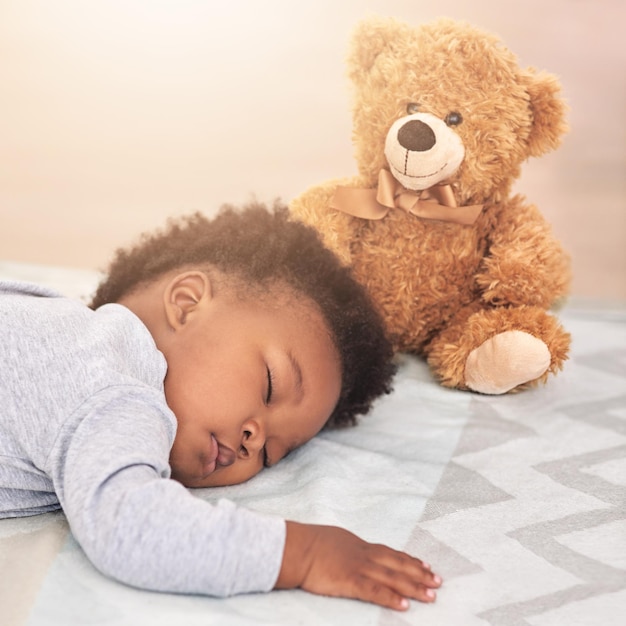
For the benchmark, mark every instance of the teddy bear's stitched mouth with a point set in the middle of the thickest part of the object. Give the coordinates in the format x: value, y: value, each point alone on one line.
x: 420, y: 176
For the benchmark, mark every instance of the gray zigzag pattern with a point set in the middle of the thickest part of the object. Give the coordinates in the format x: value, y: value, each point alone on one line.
x: 599, y: 578
x: 599, y: 413
x: 539, y: 538
x: 568, y: 472
x: 460, y: 489
x: 485, y: 417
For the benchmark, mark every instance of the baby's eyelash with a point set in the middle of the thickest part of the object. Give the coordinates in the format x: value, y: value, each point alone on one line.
x: 270, y: 385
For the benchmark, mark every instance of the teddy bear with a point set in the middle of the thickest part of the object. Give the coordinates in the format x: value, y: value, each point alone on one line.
x: 464, y: 272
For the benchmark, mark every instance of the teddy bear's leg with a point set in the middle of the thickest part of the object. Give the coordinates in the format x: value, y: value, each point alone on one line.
x: 505, y: 361
x: 498, y: 350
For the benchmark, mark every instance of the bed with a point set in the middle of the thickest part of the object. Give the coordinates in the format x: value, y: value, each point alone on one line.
x: 519, y: 502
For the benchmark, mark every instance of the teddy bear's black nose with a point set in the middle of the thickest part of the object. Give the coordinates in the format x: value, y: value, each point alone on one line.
x: 417, y: 136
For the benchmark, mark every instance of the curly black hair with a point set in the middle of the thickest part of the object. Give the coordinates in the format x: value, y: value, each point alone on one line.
x: 260, y: 246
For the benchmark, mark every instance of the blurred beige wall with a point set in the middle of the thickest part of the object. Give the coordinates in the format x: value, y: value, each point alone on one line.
x: 115, y: 114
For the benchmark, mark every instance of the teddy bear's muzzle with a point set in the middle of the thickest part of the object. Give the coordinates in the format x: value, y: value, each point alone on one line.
x: 422, y: 150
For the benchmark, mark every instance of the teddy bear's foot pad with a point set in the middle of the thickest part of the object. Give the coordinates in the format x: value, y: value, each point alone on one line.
x: 505, y: 361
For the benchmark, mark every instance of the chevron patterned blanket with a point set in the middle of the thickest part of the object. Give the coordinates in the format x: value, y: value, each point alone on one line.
x: 519, y: 502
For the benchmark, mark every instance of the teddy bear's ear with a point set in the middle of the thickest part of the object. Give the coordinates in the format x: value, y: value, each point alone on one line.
x: 370, y: 38
x: 548, y: 111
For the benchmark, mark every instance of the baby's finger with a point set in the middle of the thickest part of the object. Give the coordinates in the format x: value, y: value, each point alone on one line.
x: 413, y: 568
x: 407, y: 586
x: 371, y: 590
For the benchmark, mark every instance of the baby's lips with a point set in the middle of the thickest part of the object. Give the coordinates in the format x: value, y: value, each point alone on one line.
x: 209, y: 463
x: 225, y: 455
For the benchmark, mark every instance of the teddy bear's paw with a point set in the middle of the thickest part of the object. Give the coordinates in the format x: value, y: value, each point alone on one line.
x: 505, y: 361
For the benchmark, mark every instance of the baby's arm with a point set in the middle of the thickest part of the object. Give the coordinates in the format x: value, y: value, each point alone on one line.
x: 143, y: 530
x: 331, y: 561
x: 151, y: 533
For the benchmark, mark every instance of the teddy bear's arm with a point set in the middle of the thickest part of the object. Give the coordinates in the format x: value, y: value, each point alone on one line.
x: 336, y: 228
x: 525, y: 263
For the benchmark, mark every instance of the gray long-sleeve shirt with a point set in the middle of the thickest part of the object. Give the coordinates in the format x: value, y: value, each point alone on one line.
x: 84, y: 426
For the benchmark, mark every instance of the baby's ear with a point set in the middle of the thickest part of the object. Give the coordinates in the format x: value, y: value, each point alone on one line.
x: 184, y: 294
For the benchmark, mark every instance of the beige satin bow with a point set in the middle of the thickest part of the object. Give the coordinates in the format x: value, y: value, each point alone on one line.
x: 435, y: 203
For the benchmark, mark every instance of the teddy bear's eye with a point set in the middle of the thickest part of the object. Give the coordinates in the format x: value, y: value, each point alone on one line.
x: 454, y: 118
x: 412, y: 107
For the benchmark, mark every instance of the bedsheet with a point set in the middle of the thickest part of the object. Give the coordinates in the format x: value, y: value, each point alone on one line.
x: 518, y: 501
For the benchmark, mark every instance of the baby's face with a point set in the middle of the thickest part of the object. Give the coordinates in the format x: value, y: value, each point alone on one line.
x: 248, y: 381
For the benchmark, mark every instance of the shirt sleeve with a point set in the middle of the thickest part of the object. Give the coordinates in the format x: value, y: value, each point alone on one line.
x: 138, y: 526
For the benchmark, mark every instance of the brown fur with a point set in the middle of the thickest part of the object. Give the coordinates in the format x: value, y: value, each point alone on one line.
x: 445, y: 288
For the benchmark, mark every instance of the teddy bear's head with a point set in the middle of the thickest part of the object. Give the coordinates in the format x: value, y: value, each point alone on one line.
x: 445, y: 101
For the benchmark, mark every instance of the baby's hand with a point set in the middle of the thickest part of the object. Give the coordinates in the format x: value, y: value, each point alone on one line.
x: 331, y: 561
